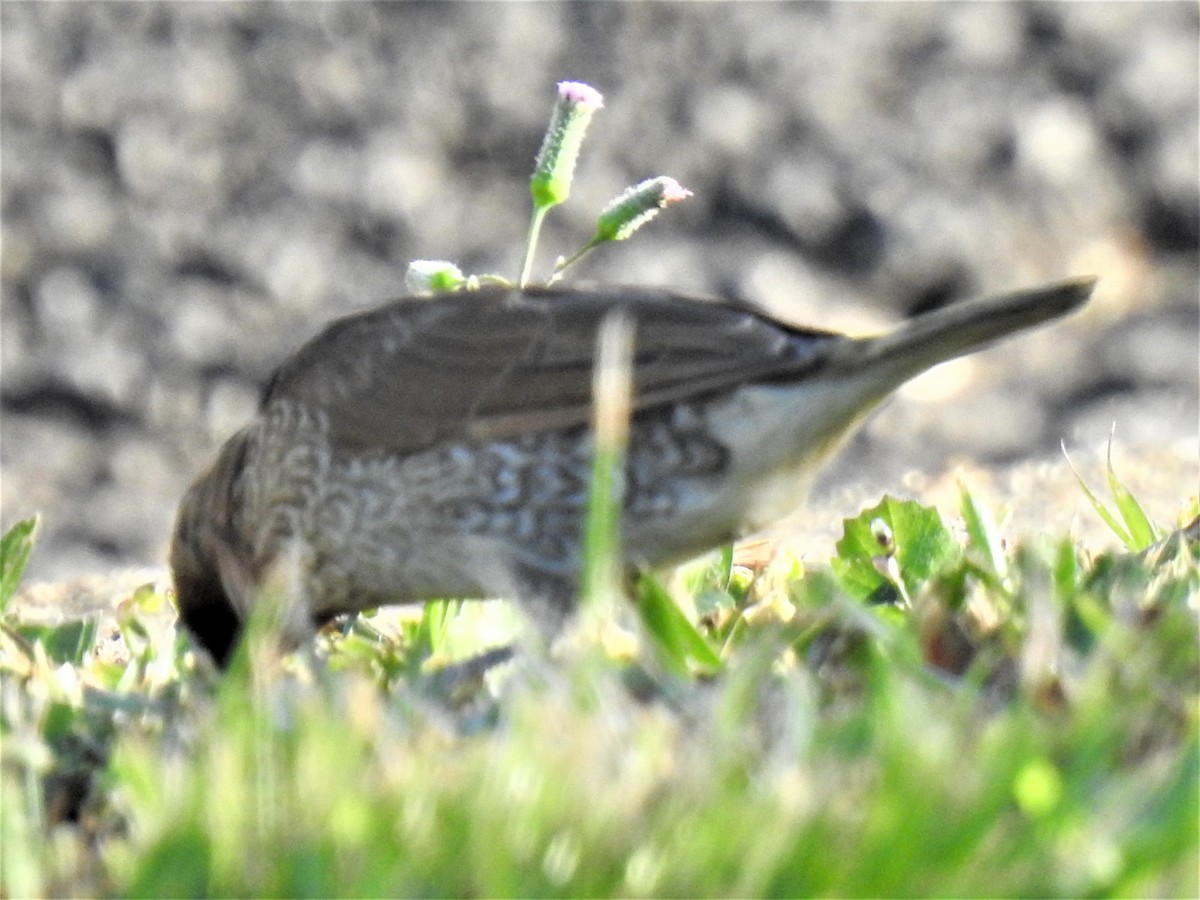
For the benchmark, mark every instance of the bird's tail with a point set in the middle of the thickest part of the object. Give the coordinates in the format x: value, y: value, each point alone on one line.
x: 961, y: 328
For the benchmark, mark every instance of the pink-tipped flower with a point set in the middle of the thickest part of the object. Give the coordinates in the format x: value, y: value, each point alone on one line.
x: 580, y: 94
x: 637, y: 206
x: 552, y: 174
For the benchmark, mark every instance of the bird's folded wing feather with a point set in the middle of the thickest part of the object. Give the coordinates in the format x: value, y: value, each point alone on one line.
x: 496, y: 363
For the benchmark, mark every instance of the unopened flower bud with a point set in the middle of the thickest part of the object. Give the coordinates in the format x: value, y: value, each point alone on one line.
x: 431, y: 276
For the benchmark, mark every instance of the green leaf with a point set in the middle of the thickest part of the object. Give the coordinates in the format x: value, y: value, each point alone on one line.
x: 981, y: 529
x: 1109, y: 519
x: 15, y: 547
x: 602, y: 536
x: 677, y: 639
x: 612, y: 389
x: 434, y: 628
x: 707, y: 581
x: 178, y: 864
x: 920, y: 542
x: 1141, y: 531
x: 66, y: 642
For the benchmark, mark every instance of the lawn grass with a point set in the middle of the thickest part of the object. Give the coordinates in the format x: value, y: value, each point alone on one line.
x: 932, y: 713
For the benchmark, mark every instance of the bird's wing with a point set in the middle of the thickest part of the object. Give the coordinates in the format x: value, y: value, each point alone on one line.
x: 494, y: 363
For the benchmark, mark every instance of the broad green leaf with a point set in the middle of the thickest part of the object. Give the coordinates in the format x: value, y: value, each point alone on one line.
x: 920, y: 542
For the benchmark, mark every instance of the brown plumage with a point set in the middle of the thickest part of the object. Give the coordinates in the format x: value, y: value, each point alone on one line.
x: 439, y: 447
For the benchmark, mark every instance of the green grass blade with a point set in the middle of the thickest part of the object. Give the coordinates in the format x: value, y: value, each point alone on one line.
x: 613, y: 400
x: 1139, y: 527
x: 676, y: 637
x: 981, y: 528
x: 1101, y: 510
x: 434, y: 628
x: 15, y: 547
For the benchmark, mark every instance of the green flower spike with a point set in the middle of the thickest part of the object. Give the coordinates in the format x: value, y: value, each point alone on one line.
x: 637, y: 206
x: 555, y: 166
x: 629, y: 212
x: 551, y: 182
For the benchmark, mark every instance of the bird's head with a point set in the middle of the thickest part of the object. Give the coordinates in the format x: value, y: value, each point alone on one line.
x: 201, y: 552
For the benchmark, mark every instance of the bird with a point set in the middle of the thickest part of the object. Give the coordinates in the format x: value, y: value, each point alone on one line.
x: 440, y: 446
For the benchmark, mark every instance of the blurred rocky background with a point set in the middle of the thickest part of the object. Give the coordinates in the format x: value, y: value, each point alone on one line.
x: 189, y: 190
